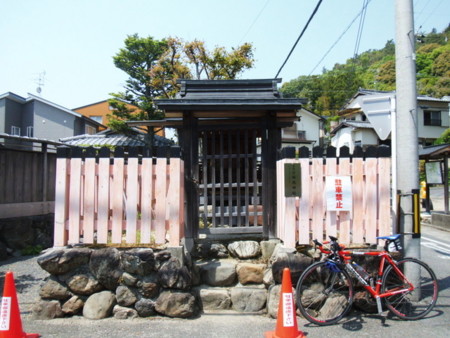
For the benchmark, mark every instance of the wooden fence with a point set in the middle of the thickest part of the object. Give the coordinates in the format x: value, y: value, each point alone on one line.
x: 27, y: 182
x: 301, y: 219
x: 120, y: 200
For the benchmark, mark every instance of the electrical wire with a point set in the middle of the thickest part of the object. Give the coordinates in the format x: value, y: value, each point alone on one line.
x: 254, y: 21
x: 299, y: 37
x: 338, y: 39
x: 430, y: 14
x: 360, y: 29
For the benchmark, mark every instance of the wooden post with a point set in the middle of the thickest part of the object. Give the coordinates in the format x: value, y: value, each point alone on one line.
x: 331, y: 170
x: 371, y: 192
x: 345, y: 216
x: 89, y: 196
x: 132, y: 189
x: 161, y: 195
x: 304, y: 203
x: 117, y: 196
x: 358, y: 197
x: 174, y: 197
x: 384, y: 180
x: 271, y: 142
x: 45, y: 173
x: 146, y: 198
x: 317, y: 194
x: 103, y: 195
x: 190, y: 152
x: 75, y: 196
x: 61, y: 194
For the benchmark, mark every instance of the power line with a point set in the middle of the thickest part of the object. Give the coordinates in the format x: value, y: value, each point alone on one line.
x: 254, y: 21
x: 360, y: 28
x: 299, y: 37
x: 429, y: 15
x: 338, y: 39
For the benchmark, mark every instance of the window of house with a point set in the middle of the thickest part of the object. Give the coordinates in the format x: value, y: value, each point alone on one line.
x: 30, y: 131
x: 96, y: 118
x: 432, y: 118
x: 15, y: 131
x: 90, y: 130
x: 301, y: 134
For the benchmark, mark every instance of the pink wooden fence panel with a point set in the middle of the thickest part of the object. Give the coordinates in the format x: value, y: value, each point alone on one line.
x: 308, y: 218
x: 126, y: 202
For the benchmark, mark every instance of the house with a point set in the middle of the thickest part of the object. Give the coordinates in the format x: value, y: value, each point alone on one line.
x: 366, y: 119
x: 307, y: 131
x: 35, y: 117
x: 99, y: 112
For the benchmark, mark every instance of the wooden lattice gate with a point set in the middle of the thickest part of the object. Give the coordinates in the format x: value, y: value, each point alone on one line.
x: 230, y: 179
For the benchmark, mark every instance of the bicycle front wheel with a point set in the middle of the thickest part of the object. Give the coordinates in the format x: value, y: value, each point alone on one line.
x: 324, y: 293
x: 413, y: 304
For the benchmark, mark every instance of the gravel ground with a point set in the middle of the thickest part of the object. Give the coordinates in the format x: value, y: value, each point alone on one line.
x: 28, y: 277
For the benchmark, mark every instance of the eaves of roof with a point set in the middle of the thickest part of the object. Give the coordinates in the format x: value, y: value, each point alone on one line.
x: 302, y: 110
x: 93, y: 104
x: 352, y: 124
x: 13, y: 97
x: 434, y: 152
x: 29, y: 139
x: 229, y: 104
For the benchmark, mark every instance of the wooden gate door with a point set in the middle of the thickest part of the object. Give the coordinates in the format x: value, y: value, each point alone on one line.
x: 230, y: 180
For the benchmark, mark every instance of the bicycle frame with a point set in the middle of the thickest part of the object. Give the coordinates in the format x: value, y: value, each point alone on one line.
x: 375, y: 291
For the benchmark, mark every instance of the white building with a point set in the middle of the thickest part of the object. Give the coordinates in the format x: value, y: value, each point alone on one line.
x: 307, y: 131
x: 367, y: 120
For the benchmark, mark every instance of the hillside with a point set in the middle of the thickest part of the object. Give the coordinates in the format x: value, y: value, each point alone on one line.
x: 375, y: 69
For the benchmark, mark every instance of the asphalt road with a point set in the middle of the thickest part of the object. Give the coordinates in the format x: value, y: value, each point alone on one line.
x: 435, y: 250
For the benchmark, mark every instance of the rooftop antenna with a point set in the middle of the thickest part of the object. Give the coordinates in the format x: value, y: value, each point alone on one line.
x: 40, y: 82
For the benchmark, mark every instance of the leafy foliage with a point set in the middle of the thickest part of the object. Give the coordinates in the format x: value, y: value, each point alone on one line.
x: 154, y: 66
x: 444, y: 138
x: 375, y: 69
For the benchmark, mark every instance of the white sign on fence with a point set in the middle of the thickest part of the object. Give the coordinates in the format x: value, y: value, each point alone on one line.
x: 338, y: 190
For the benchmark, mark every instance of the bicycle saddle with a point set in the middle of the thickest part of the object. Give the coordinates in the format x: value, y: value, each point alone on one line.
x: 391, y: 237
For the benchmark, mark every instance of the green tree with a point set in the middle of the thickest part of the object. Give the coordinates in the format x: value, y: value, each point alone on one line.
x: 444, y: 138
x: 154, y: 66
x: 137, y: 59
x: 375, y: 69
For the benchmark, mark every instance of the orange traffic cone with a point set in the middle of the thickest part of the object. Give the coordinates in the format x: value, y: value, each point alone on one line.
x: 287, y: 320
x: 10, y: 322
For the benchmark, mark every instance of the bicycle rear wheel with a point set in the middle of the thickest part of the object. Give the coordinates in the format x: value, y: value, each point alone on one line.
x: 413, y: 304
x: 324, y: 293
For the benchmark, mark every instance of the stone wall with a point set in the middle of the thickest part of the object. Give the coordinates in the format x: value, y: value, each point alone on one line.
x: 99, y: 283
x: 242, y: 276
x: 25, y: 233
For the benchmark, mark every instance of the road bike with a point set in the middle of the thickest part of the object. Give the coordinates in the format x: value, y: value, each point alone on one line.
x: 324, y: 292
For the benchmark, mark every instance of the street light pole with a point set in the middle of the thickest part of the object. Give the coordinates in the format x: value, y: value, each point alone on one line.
x: 406, y: 122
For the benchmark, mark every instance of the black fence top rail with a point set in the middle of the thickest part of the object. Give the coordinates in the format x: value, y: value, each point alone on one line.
x: 331, y: 152
x: 118, y: 152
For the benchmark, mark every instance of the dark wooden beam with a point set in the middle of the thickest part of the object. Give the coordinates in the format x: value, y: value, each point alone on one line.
x: 190, y: 156
x: 271, y: 142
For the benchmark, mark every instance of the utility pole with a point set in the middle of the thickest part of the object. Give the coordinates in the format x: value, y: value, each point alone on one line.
x: 406, y: 124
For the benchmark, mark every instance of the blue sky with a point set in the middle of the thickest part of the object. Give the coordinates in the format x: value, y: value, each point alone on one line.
x: 73, y: 41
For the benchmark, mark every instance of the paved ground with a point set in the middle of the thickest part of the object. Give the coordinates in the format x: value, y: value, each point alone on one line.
x: 435, y: 247
x: 435, y: 251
